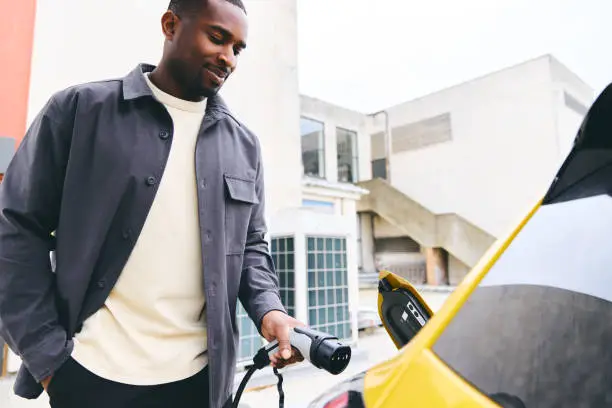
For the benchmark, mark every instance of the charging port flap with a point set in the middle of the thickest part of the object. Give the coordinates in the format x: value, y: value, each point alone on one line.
x: 401, y: 308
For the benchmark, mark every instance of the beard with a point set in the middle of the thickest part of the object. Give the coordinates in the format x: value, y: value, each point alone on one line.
x: 194, y: 83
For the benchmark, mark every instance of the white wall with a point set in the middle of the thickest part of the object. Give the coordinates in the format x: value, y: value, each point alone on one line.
x: 78, y: 41
x: 504, y: 151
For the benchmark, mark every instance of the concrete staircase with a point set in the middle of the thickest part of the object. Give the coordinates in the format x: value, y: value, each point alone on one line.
x: 456, y: 235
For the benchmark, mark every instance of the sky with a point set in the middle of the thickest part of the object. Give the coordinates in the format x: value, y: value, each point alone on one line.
x: 368, y: 55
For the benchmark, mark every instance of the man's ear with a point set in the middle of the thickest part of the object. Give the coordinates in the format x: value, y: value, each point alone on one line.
x: 170, y: 22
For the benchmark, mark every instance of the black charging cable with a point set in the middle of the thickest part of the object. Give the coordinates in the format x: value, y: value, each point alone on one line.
x: 260, y: 361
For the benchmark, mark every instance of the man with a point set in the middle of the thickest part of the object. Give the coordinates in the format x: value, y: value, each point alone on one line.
x: 151, y: 194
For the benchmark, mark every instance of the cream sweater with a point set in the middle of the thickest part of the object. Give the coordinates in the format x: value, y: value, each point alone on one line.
x: 152, y: 327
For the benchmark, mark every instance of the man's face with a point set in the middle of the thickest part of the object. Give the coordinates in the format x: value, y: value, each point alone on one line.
x: 203, y: 47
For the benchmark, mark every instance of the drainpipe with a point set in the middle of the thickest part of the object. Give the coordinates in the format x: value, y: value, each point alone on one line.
x: 388, y: 143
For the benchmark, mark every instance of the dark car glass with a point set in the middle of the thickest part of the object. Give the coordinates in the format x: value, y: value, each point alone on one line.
x: 539, y: 326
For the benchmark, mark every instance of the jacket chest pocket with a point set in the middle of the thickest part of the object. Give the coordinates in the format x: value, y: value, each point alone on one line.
x: 241, y: 196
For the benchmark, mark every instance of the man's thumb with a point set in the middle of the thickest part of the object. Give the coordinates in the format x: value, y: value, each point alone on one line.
x: 284, y: 344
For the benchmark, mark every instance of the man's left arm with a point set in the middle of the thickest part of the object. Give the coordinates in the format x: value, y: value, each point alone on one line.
x: 259, y: 288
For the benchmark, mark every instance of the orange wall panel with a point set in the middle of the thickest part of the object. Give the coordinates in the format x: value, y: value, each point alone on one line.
x: 17, y: 33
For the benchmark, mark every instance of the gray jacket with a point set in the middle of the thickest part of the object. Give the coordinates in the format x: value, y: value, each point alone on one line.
x: 88, y: 169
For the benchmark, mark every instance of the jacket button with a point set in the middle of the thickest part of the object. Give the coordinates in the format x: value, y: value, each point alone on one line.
x: 126, y: 234
x: 101, y: 283
x: 163, y: 135
x: 151, y: 181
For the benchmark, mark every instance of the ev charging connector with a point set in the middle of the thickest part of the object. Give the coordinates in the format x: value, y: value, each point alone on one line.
x: 323, y: 350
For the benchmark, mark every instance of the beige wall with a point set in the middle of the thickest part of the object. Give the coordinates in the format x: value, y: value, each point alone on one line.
x: 78, y: 41
x: 384, y: 229
x: 457, y: 270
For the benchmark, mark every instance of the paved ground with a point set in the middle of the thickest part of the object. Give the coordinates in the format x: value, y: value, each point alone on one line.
x: 301, y: 383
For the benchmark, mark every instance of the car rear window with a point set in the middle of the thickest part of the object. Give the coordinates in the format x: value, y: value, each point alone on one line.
x: 539, y: 326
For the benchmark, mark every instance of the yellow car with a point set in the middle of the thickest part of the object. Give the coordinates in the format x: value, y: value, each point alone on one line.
x: 531, y: 324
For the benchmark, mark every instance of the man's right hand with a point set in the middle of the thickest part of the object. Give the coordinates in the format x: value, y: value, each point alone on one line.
x: 45, y: 382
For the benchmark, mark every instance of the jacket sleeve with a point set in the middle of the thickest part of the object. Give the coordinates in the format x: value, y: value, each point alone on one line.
x: 259, y: 288
x: 30, y: 196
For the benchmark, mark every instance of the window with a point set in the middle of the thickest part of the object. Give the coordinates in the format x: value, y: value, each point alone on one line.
x: 537, y: 325
x: 249, y: 340
x: 284, y: 262
x: 379, y: 168
x: 328, y: 309
x: 325, y: 207
x: 313, y: 147
x: 346, y: 142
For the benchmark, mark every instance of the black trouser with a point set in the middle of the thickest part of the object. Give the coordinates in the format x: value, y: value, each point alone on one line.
x: 74, y: 386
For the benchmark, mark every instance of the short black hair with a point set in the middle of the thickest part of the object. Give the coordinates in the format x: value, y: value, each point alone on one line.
x: 185, y: 6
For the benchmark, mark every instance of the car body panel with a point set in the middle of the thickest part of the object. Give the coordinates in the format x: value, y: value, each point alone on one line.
x: 416, y: 375
x: 419, y: 379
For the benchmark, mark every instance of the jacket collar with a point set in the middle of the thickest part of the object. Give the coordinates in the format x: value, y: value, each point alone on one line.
x: 135, y: 86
